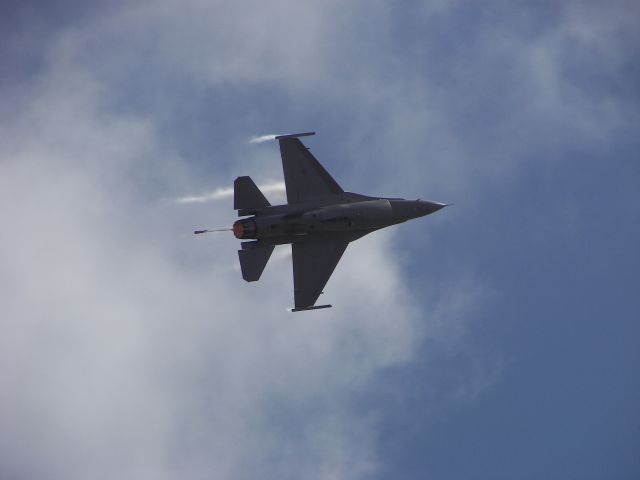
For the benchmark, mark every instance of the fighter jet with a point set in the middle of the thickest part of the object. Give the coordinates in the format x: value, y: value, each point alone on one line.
x: 319, y: 220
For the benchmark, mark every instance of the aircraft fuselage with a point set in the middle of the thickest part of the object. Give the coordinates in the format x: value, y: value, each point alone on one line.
x: 360, y: 216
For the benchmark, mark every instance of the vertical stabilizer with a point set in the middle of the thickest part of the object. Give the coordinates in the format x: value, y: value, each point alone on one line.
x: 253, y: 261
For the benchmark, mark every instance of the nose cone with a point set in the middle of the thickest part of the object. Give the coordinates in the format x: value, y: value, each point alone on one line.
x: 428, y: 207
x: 404, y: 210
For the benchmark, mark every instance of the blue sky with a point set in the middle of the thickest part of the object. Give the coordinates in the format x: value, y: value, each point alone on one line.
x: 496, y: 339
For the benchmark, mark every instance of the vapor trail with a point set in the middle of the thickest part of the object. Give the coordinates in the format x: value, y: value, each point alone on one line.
x: 277, y: 188
x: 262, y: 138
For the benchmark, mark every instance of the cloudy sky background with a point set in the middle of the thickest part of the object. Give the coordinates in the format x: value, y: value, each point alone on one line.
x: 498, y: 338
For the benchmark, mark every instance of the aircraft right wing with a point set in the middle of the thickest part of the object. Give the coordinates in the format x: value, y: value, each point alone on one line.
x: 304, y: 177
x: 313, y: 263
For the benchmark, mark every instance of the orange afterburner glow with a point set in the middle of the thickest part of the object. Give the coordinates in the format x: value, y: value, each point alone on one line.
x: 238, y: 229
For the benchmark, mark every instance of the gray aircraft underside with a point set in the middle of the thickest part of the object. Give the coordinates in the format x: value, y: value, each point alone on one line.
x: 319, y: 221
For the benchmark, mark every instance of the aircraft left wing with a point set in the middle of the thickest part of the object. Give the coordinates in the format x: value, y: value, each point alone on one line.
x: 304, y: 176
x: 313, y: 263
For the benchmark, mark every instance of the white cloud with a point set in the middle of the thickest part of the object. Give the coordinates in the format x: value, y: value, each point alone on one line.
x: 129, y: 351
x: 121, y: 360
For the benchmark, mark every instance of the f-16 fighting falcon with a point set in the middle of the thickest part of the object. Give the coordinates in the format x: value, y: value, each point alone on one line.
x: 319, y: 221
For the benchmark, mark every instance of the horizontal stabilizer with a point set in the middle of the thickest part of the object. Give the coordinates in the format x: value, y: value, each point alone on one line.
x: 253, y: 261
x: 295, y: 135
x: 304, y: 309
x: 247, y: 196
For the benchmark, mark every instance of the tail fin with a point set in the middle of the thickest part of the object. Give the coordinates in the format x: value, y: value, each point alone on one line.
x: 247, y: 197
x: 253, y: 261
